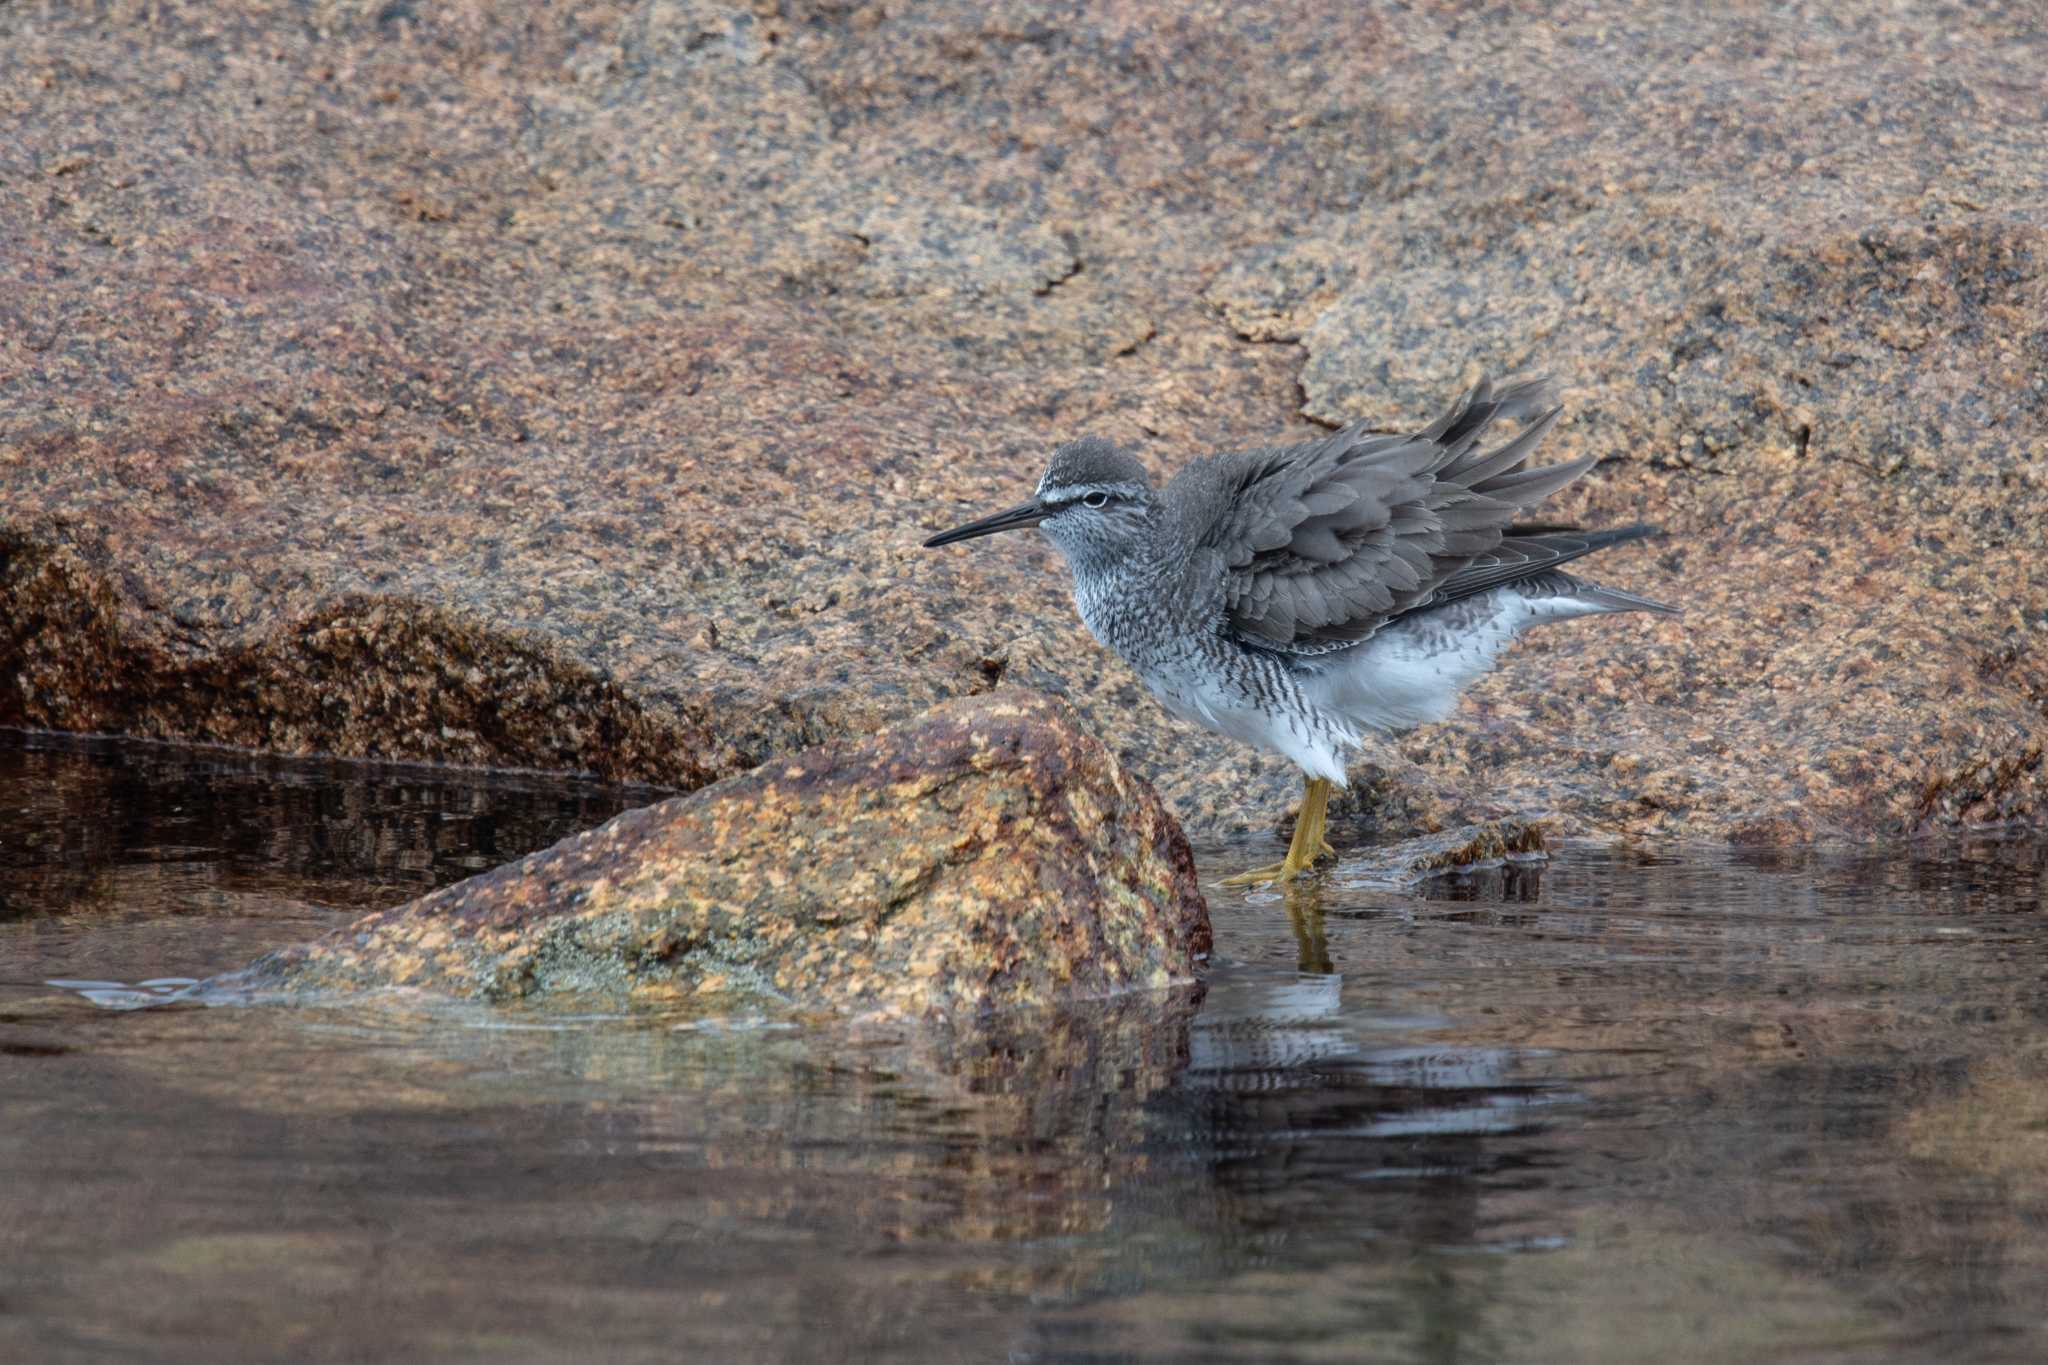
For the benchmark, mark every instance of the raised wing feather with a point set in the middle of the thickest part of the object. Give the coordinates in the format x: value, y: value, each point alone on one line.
x: 1324, y: 543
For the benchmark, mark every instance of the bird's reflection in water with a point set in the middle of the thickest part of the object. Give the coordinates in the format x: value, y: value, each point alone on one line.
x: 1305, y: 914
x: 1307, y: 901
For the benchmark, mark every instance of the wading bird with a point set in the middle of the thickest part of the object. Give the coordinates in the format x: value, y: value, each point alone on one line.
x: 1300, y: 597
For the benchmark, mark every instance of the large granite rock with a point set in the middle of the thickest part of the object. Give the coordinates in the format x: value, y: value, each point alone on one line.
x: 570, y: 387
x: 989, y: 854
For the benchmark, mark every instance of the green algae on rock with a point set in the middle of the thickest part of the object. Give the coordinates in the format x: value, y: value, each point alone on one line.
x: 990, y: 853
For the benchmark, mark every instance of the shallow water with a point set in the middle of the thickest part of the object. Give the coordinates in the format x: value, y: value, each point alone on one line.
x: 1692, y: 1106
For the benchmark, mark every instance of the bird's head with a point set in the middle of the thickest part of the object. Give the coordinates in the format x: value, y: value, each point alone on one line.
x: 1095, y: 502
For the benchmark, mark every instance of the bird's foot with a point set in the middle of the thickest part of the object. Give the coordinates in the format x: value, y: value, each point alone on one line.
x: 1286, y: 870
x: 1271, y: 872
x: 1307, y: 845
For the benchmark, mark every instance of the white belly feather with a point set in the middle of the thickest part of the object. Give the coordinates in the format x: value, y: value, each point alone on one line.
x: 1408, y: 674
x: 1412, y: 672
x: 1318, y: 750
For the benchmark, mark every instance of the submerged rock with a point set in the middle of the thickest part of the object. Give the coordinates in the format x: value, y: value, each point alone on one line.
x: 1466, y: 847
x: 990, y: 853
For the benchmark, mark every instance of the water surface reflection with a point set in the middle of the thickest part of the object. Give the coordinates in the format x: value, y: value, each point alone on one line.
x: 1691, y: 1105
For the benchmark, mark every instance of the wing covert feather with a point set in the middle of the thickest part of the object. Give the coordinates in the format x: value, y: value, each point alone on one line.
x: 1323, y: 543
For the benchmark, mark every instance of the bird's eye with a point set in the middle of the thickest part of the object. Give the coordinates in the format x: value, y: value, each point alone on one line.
x: 1095, y: 499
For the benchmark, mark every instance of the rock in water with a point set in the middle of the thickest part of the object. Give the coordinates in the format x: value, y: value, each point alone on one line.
x: 989, y: 853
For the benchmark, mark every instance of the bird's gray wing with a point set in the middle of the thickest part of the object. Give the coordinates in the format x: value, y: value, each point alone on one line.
x: 1319, y: 545
x: 1527, y: 552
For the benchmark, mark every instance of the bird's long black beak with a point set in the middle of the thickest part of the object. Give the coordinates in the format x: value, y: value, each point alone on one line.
x: 1011, y: 519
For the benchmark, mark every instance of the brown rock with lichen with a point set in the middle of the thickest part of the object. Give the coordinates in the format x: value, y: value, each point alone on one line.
x: 1464, y: 848
x: 1473, y: 845
x: 621, y: 353
x: 989, y: 854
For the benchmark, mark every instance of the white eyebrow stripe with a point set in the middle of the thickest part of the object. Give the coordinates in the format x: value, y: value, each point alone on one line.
x: 1072, y: 491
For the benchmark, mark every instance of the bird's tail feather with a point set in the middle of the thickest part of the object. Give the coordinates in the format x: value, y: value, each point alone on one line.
x: 1615, y: 599
x: 1613, y: 535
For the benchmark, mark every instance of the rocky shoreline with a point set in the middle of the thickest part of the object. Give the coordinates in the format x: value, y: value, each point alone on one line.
x: 570, y: 390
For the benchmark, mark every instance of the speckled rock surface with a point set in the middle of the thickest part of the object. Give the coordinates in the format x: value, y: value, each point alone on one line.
x: 989, y: 854
x: 1406, y: 862
x: 570, y: 387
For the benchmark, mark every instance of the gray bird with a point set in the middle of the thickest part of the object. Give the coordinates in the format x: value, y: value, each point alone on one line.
x: 1300, y: 597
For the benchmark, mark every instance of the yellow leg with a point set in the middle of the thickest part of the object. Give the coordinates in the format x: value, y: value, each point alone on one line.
x: 1307, y: 845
